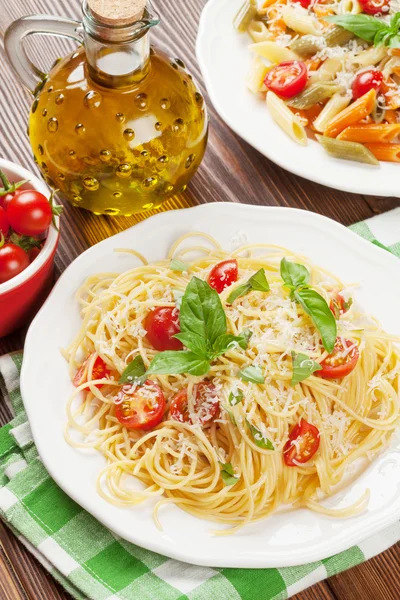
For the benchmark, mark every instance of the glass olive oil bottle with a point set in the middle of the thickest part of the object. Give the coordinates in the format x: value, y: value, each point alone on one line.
x: 118, y: 126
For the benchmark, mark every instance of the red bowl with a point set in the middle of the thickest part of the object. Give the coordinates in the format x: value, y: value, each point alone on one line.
x: 21, y: 296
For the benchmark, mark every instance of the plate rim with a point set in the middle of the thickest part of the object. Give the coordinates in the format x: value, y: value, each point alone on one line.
x: 199, y: 558
x: 343, y: 184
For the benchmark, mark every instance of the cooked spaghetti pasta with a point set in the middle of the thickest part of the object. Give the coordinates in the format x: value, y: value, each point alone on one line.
x: 226, y: 458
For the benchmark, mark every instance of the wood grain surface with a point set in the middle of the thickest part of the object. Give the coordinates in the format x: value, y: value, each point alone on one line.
x: 231, y: 172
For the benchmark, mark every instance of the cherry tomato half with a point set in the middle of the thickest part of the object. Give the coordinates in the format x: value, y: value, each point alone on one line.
x: 336, y: 365
x: 223, y: 275
x: 338, y: 305
x: 206, y: 404
x: 366, y: 81
x: 13, y: 260
x: 304, y: 3
x: 140, y: 407
x: 302, y: 444
x: 161, y: 325
x: 29, y: 212
x: 100, y: 371
x: 287, y: 79
x: 373, y: 7
x: 4, y: 224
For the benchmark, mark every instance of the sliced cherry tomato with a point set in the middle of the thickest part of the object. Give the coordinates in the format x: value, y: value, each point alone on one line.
x: 206, y: 404
x: 161, y: 325
x: 338, y: 305
x: 140, y: 407
x: 366, y: 81
x: 29, y: 212
x: 304, y: 3
x: 100, y: 371
x: 4, y: 224
x: 373, y: 7
x: 287, y: 79
x: 223, y: 275
x: 13, y: 260
x: 341, y: 362
x: 302, y: 444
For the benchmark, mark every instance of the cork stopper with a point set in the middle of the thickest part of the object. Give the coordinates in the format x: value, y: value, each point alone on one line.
x: 117, y: 12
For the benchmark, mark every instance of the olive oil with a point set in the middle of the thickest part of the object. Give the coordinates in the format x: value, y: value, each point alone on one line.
x: 118, y: 126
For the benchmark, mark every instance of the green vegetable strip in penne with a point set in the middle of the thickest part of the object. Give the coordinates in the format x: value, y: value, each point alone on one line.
x: 307, y: 46
x: 337, y: 36
x: 245, y: 16
x: 313, y: 94
x: 347, y: 150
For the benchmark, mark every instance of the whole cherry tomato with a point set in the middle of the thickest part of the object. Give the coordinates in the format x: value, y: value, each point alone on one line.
x: 161, y: 325
x: 13, y: 260
x: 4, y: 224
x: 366, y: 81
x: 29, y: 213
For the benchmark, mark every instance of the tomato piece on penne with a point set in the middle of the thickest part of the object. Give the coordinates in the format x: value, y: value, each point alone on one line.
x: 386, y: 152
x: 370, y: 133
x: 352, y: 114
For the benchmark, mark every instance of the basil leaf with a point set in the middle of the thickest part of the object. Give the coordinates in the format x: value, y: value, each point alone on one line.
x: 193, y: 342
x: 227, y: 341
x: 393, y: 41
x: 135, y: 372
x: 173, y: 362
x: 303, y: 367
x: 228, y: 474
x: 363, y: 26
x: 293, y: 274
x: 259, y: 439
x: 236, y: 397
x: 201, y: 311
x: 178, y: 265
x: 253, y: 374
x: 238, y: 292
x: 316, y: 307
x: 259, y: 282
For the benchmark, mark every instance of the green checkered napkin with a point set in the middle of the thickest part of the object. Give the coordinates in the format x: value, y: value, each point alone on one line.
x: 91, y: 562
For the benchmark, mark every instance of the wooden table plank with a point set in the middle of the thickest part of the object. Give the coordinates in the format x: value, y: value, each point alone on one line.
x: 231, y: 172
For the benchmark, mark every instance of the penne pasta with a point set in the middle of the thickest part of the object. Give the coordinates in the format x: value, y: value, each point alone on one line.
x: 284, y: 117
x: 273, y: 52
x: 315, y: 93
x: 347, y: 150
x: 370, y: 57
x: 350, y: 115
x: 298, y: 19
x: 245, y: 15
x: 332, y: 108
x: 337, y: 36
x: 389, y: 152
x: 370, y: 133
x: 307, y: 45
x: 256, y: 76
x: 349, y: 7
x: 258, y: 31
x: 329, y: 69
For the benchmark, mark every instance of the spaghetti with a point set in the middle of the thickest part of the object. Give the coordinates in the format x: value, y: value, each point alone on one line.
x: 233, y: 456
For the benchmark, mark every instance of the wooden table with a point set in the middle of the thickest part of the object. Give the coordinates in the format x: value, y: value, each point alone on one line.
x: 231, y: 172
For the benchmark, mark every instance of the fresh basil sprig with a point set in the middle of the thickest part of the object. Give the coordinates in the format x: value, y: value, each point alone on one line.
x: 178, y: 265
x: 258, y: 438
x: 296, y: 277
x: 203, y: 327
x: 371, y: 29
x: 303, y: 367
x: 252, y: 374
x: 228, y: 474
x: 135, y: 372
x: 257, y: 282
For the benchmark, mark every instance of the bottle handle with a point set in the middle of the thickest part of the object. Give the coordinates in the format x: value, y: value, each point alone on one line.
x: 26, y: 71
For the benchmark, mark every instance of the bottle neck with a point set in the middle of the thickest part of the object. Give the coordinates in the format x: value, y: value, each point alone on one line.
x: 118, y: 56
x: 116, y: 65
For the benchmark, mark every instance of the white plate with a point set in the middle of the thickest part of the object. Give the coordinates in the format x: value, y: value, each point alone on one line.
x: 224, y: 60
x: 287, y: 538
